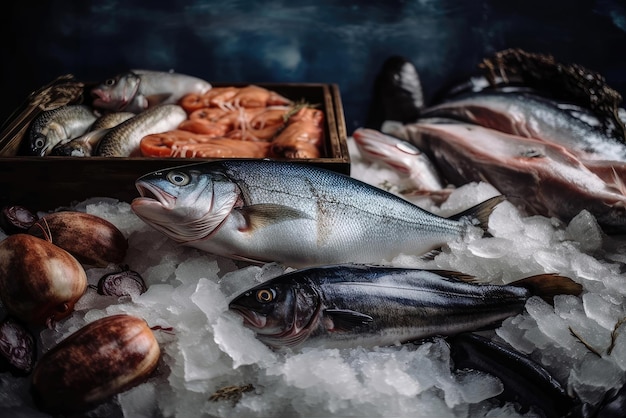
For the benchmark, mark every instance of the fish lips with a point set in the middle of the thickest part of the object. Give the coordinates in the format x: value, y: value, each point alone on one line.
x: 151, y: 194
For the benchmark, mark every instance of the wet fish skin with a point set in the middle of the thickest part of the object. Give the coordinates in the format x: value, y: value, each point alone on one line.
x: 342, y: 306
x: 532, y: 116
x: 525, y: 382
x: 137, y: 90
x: 295, y: 214
x: 401, y: 156
x: 123, y: 140
x: 58, y: 126
x: 539, y: 177
x: 84, y: 145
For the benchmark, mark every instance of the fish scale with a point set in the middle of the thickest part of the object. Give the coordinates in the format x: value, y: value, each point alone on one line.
x: 295, y: 214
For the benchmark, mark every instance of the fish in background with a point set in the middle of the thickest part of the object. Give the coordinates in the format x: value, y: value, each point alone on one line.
x: 397, y: 93
x: 295, y: 214
x: 137, y: 90
x: 58, y: 126
x: 345, y: 306
x: 84, y: 145
x: 530, y: 115
x: 405, y: 158
x: 540, y: 177
x: 123, y: 140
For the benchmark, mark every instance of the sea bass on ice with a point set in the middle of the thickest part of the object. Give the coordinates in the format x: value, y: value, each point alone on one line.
x: 344, y: 306
x: 295, y: 214
x: 138, y: 90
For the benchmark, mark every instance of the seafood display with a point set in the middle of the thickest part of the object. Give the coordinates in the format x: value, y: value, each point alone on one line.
x: 299, y: 215
x: 369, y: 306
x: 144, y: 113
x: 249, y: 286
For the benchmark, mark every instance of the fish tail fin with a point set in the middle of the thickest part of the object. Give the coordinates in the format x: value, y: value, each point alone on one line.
x: 479, y: 214
x: 548, y: 285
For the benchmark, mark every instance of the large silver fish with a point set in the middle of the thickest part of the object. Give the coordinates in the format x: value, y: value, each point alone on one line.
x: 541, y: 177
x: 123, y: 140
x: 292, y: 213
x: 58, y: 126
x: 532, y: 116
x: 348, y: 305
x: 138, y: 90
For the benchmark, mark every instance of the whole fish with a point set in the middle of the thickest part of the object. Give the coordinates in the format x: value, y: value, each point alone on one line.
x: 123, y: 140
x: 403, y: 157
x: 138, y: 90
x: 58, y: 126
x: 540, y: 177
x: 532, y: 116
x: 84, y: 145
x: 291, y: 213
x: 344, y: 306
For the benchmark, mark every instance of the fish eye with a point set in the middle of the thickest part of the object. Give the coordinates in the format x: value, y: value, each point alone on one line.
x: 265, y: 295
x: 39, y: 143
x: 109, y: 82
x: 178, y: 178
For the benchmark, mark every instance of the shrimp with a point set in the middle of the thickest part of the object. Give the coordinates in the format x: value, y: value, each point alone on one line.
x: 303, y: 137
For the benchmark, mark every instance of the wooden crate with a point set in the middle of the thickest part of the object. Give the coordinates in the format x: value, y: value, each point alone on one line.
x: 46, y: 183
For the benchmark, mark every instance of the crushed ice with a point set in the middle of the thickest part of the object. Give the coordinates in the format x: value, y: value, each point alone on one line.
x: 581, y: 341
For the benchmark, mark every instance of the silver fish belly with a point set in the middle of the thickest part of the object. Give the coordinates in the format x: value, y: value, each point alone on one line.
x: 57, y: 126
x: 138, y: 90
x: 291, y: 213
x: 349, y: 305
x: 123, y: 140
x: 532, y: 116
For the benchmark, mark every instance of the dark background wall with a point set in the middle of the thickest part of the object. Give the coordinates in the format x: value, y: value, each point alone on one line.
x: 326, y: 41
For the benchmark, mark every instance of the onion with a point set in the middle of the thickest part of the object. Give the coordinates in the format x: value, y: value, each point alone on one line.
x: 18, y: 347
x: 90, y: 238
x: 39, y: 282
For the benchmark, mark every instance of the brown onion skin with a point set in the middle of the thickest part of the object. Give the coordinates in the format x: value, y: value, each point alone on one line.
x: 39, y: 282
x: 91, y: 239
x: 104, y: 358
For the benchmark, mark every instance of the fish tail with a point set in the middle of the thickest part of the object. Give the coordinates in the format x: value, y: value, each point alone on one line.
x: 548, y: 285
x: 479, y: 215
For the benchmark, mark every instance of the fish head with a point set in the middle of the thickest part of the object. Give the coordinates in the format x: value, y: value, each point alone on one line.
x: 282, y: 312
x: 185, y: 203
x: 116, y: 93
x: 38, y: 144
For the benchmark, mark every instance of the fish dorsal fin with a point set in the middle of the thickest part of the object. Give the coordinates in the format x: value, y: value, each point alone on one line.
x: 456, y: 275
x: 548, y: 285
x: 479, y: 214
x: 346, y: 319
x: 265, y: 214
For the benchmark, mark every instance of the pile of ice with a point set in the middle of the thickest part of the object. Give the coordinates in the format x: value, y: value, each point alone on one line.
x: 213, y: 366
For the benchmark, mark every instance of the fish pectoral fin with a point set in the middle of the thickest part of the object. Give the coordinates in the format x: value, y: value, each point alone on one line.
x: 345, y: 319
x: 455, y: 275
x: 265, y: 214
x: 156, y: 99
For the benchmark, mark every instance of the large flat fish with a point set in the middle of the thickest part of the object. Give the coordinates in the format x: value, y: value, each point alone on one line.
x: 344, y: 306
x: 533, y: 116
x: 295, y: 214
x: 540, y: 177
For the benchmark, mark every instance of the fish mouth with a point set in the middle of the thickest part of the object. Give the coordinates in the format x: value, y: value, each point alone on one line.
x: 250, y: 318
x: 150, y: 193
